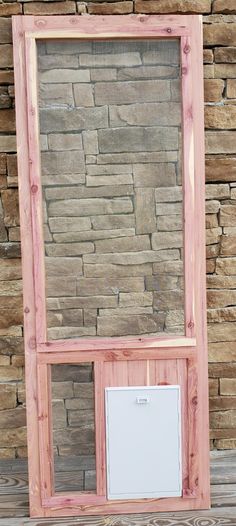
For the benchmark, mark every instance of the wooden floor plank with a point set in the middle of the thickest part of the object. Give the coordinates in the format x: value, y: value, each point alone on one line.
x: 227, y: 454
x: 15, y: 484
x: 14, y: 506
x: 223, y: 474
x: 14, y: 499
x: 17, y: 465
x: 223, y: 467
x: 203, y: 518
x: 223, y: 495
x: 77, y: 463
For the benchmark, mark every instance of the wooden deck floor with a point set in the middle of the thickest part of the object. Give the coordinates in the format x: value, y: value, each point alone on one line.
x: 14, y: 501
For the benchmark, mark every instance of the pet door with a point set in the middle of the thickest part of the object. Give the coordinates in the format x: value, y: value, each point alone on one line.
x: 111, y: 180
x: 143, y: 442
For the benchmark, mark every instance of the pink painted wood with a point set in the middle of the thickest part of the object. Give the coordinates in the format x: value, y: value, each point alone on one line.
x: 113, y: 507
x: 45, y: 430
x: 135, y: 26
x: 193, y: 438
x: 118, y: 361
x: 200, y: 264
x: 81, y: 500
x: 115, y: 27
x: 36, y: 188
x: 116, y: 344
x: 116, y: 356
x: 100, y: 438
x: 188, y: 183
x: 138, y: 372
x: 27, y: 268
x: 182, y: 380
x: 174, y: 372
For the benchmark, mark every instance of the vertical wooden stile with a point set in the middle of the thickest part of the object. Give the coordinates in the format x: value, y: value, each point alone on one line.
x: 200, y: 263
x: 188, y: 183
x: 45, y: 430
x: 27, y: 255
x: 36, y: 188
x: 100, y: 427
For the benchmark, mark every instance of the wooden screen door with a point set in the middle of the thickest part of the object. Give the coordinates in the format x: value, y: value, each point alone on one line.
x: 111, y: 180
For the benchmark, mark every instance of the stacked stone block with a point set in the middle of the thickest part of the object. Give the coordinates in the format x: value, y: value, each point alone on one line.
x: 220, y: 97
x: 73, y: 427
x: 110, y: 117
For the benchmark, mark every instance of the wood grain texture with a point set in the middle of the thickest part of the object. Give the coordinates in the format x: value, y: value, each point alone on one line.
x: 27, y: 265
x: 100, y: 439
x: 124, y: 361
x: 45, y: 431
x: 182, y: 380
x: 223, y: 468
x: 175, y: 372
x: 84, y: 27
x: 223, y: 496
x: 205, y: 520
x: 200, y: 262
x: 14, y: 506
x: 188, y: 183
x: 115, y: 356
x: 135, y: 343
x: 194, y: 440
x: 17, y: 484
x: 36, y: 187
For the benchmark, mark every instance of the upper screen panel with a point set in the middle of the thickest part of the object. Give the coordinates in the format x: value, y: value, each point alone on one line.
x: 110, y: 124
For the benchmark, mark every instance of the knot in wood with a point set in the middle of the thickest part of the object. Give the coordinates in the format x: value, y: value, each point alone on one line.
x: 190, y: 325
x: 40, y: 23
x: 194, y: 400
x: 26, y: 310
x: 187, y: 49
x: 111, y: 355
x: 184, y: 70
x: 42, y: 417
x: 73, y: 21
x: 34, y: 189
x: 168, y: 30
x: 32, y: 343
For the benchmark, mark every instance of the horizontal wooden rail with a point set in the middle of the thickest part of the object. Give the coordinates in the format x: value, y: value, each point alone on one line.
x: 115, y: 344
x: 119, y: 355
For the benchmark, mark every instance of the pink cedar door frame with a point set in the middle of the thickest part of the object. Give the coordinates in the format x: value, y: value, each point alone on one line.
x: 117, y: 361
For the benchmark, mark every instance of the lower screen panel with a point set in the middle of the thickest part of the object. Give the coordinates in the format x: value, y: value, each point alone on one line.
x: 73, y: 427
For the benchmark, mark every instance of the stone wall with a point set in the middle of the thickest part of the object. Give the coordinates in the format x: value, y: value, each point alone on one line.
x: 110, y: 116
x: 220, y: 97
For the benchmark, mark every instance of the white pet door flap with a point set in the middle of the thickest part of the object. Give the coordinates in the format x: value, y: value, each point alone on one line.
x: 143, y: 440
